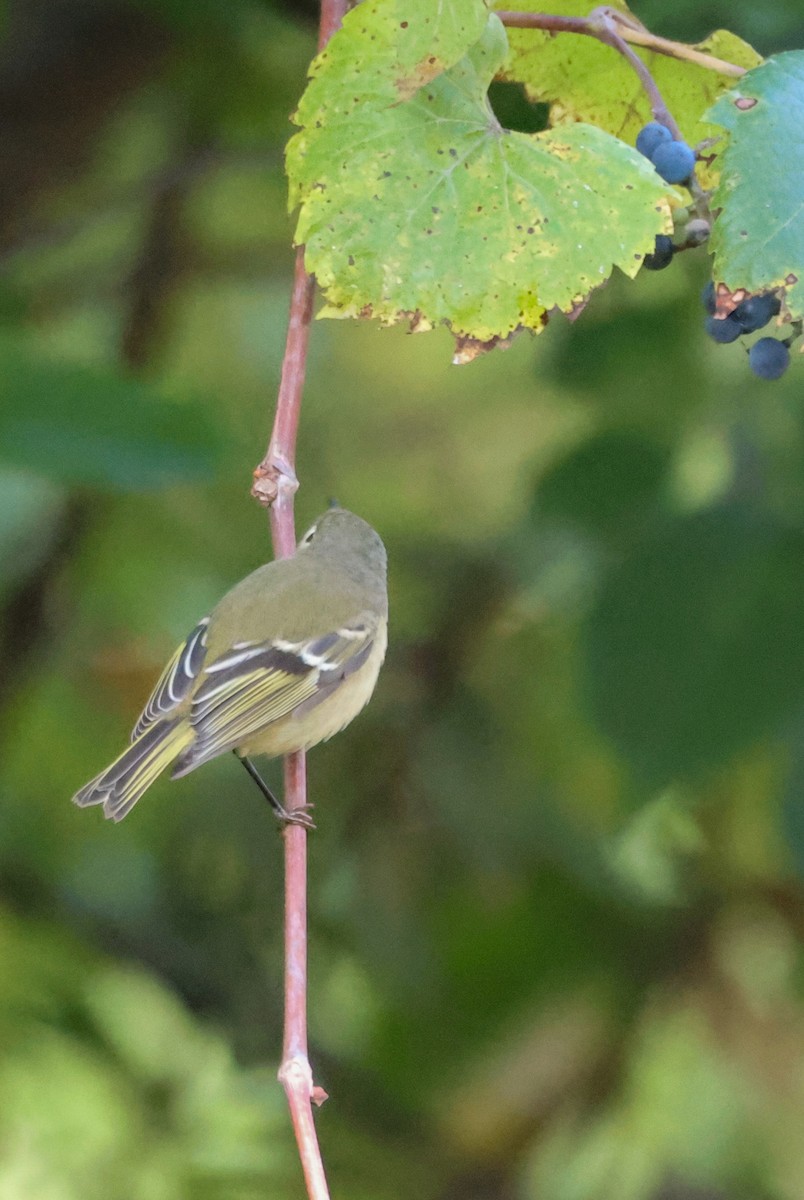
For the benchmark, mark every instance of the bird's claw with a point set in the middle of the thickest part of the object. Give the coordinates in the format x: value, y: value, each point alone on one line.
x: 302, y: 816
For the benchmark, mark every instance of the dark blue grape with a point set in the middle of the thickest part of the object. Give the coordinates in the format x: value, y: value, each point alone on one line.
x: 709, y: 298
x: 650, y: 137
x: 769, y: 358
x: 756, y: 311
x: 724, y: 330
x: 675, y: 161
x: 662, y: 254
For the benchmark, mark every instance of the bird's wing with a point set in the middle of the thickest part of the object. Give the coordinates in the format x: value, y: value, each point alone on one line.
x: 258, y: 683
x: 176, y: 680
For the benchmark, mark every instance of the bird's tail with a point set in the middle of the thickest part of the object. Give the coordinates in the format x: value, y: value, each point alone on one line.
x: 120, y: 786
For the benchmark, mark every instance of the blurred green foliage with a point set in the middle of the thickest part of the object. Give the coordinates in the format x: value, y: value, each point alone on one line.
x: 556, y: 888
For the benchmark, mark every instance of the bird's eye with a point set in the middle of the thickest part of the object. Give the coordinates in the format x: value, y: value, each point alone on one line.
x: 308, y: 537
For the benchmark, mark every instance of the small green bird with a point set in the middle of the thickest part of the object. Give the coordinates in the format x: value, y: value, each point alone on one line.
x: 286, y: 659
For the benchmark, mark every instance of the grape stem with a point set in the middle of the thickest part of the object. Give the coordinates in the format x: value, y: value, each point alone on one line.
x: 677, y: 50
x: 795, y: 331
x: 631, y: 30
x: 616, y: 29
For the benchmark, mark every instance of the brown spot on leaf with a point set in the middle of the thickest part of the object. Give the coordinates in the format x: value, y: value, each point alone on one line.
x: 791, y: 279
x: 744, y: 103
x: 422, y: 73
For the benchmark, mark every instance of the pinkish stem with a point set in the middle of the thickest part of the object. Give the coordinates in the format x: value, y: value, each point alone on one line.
x: 295, y: 1073
x: 275, y: 481
x: 275, y: 485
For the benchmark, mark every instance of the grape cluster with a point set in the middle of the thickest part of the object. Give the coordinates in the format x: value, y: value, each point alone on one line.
x: 769, y: 357
x: 674, y: 161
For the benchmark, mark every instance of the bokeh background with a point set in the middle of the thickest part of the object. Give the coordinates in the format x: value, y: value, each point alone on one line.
x: 556, y: 888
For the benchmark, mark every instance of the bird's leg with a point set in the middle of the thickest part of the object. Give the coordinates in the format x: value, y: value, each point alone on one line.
x: 300, y: 816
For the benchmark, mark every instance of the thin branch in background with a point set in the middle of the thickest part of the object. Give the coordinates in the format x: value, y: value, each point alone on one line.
x: 275, y: 484
x: 34, y: 233
x: 153, y: 279
x: 161, y: 262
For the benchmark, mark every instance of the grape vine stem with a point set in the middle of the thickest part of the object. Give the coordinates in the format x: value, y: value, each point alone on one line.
x: 630, y: 31
x: 275, y: 484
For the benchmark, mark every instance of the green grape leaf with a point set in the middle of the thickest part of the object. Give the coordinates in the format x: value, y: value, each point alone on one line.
x: 92, y: 426
x: 584, y: 80
x: 429, y: 210
x: 758, y: 237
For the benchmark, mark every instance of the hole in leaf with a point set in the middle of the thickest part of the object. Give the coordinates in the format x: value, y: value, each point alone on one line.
x: 514, y: 111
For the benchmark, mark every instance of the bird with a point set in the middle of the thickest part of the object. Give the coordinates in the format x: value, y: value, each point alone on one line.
x: 286, y: 659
